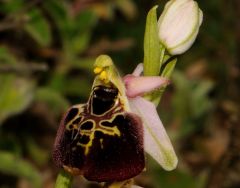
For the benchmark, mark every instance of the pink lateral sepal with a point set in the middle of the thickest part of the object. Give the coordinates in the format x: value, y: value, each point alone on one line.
x: 139, y: 85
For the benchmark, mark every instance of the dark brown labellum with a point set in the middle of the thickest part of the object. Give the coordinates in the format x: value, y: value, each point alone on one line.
x: 99, y: 140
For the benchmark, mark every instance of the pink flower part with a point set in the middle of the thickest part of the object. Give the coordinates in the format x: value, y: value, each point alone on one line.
x: 138, y: 70
x: 138, y: 85
x: 156, y: 141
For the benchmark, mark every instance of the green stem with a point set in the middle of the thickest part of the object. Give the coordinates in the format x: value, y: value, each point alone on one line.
x: 64, y: 180
x: 123, y: 184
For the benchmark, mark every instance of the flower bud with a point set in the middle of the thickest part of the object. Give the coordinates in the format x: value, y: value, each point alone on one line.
x: 179, y: 24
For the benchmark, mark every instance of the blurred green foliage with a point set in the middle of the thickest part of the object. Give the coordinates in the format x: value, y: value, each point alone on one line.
x: 13, y: 165
x: 47, y: 49
x: 16, y: 93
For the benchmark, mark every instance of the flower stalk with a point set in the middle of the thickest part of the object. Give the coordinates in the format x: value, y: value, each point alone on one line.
x: 64, y: 180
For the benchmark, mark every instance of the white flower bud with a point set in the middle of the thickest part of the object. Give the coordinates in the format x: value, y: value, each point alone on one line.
x: 179, y: 25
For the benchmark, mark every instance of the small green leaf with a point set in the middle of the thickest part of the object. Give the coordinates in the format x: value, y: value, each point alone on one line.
x: 10, y: 164
x: 80, y: 42
x: 38, y: 28
x: 168, y: 69
x: 85, y: 21
x: 152, y: 47
x: 16, y: 94
x: 200, y: 103
x: 79, y: 32
x: 58, y: 12
x: 195, y: 94
x: 74, y: 29
x: 182, y: 95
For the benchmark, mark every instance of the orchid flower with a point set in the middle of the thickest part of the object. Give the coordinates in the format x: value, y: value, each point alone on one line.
x: 104, y: 139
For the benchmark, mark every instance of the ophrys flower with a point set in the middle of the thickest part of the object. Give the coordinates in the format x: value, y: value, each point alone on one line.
x: 104, y: 139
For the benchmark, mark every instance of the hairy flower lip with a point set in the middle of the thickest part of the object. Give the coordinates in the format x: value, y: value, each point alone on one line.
x: 179, y: 25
